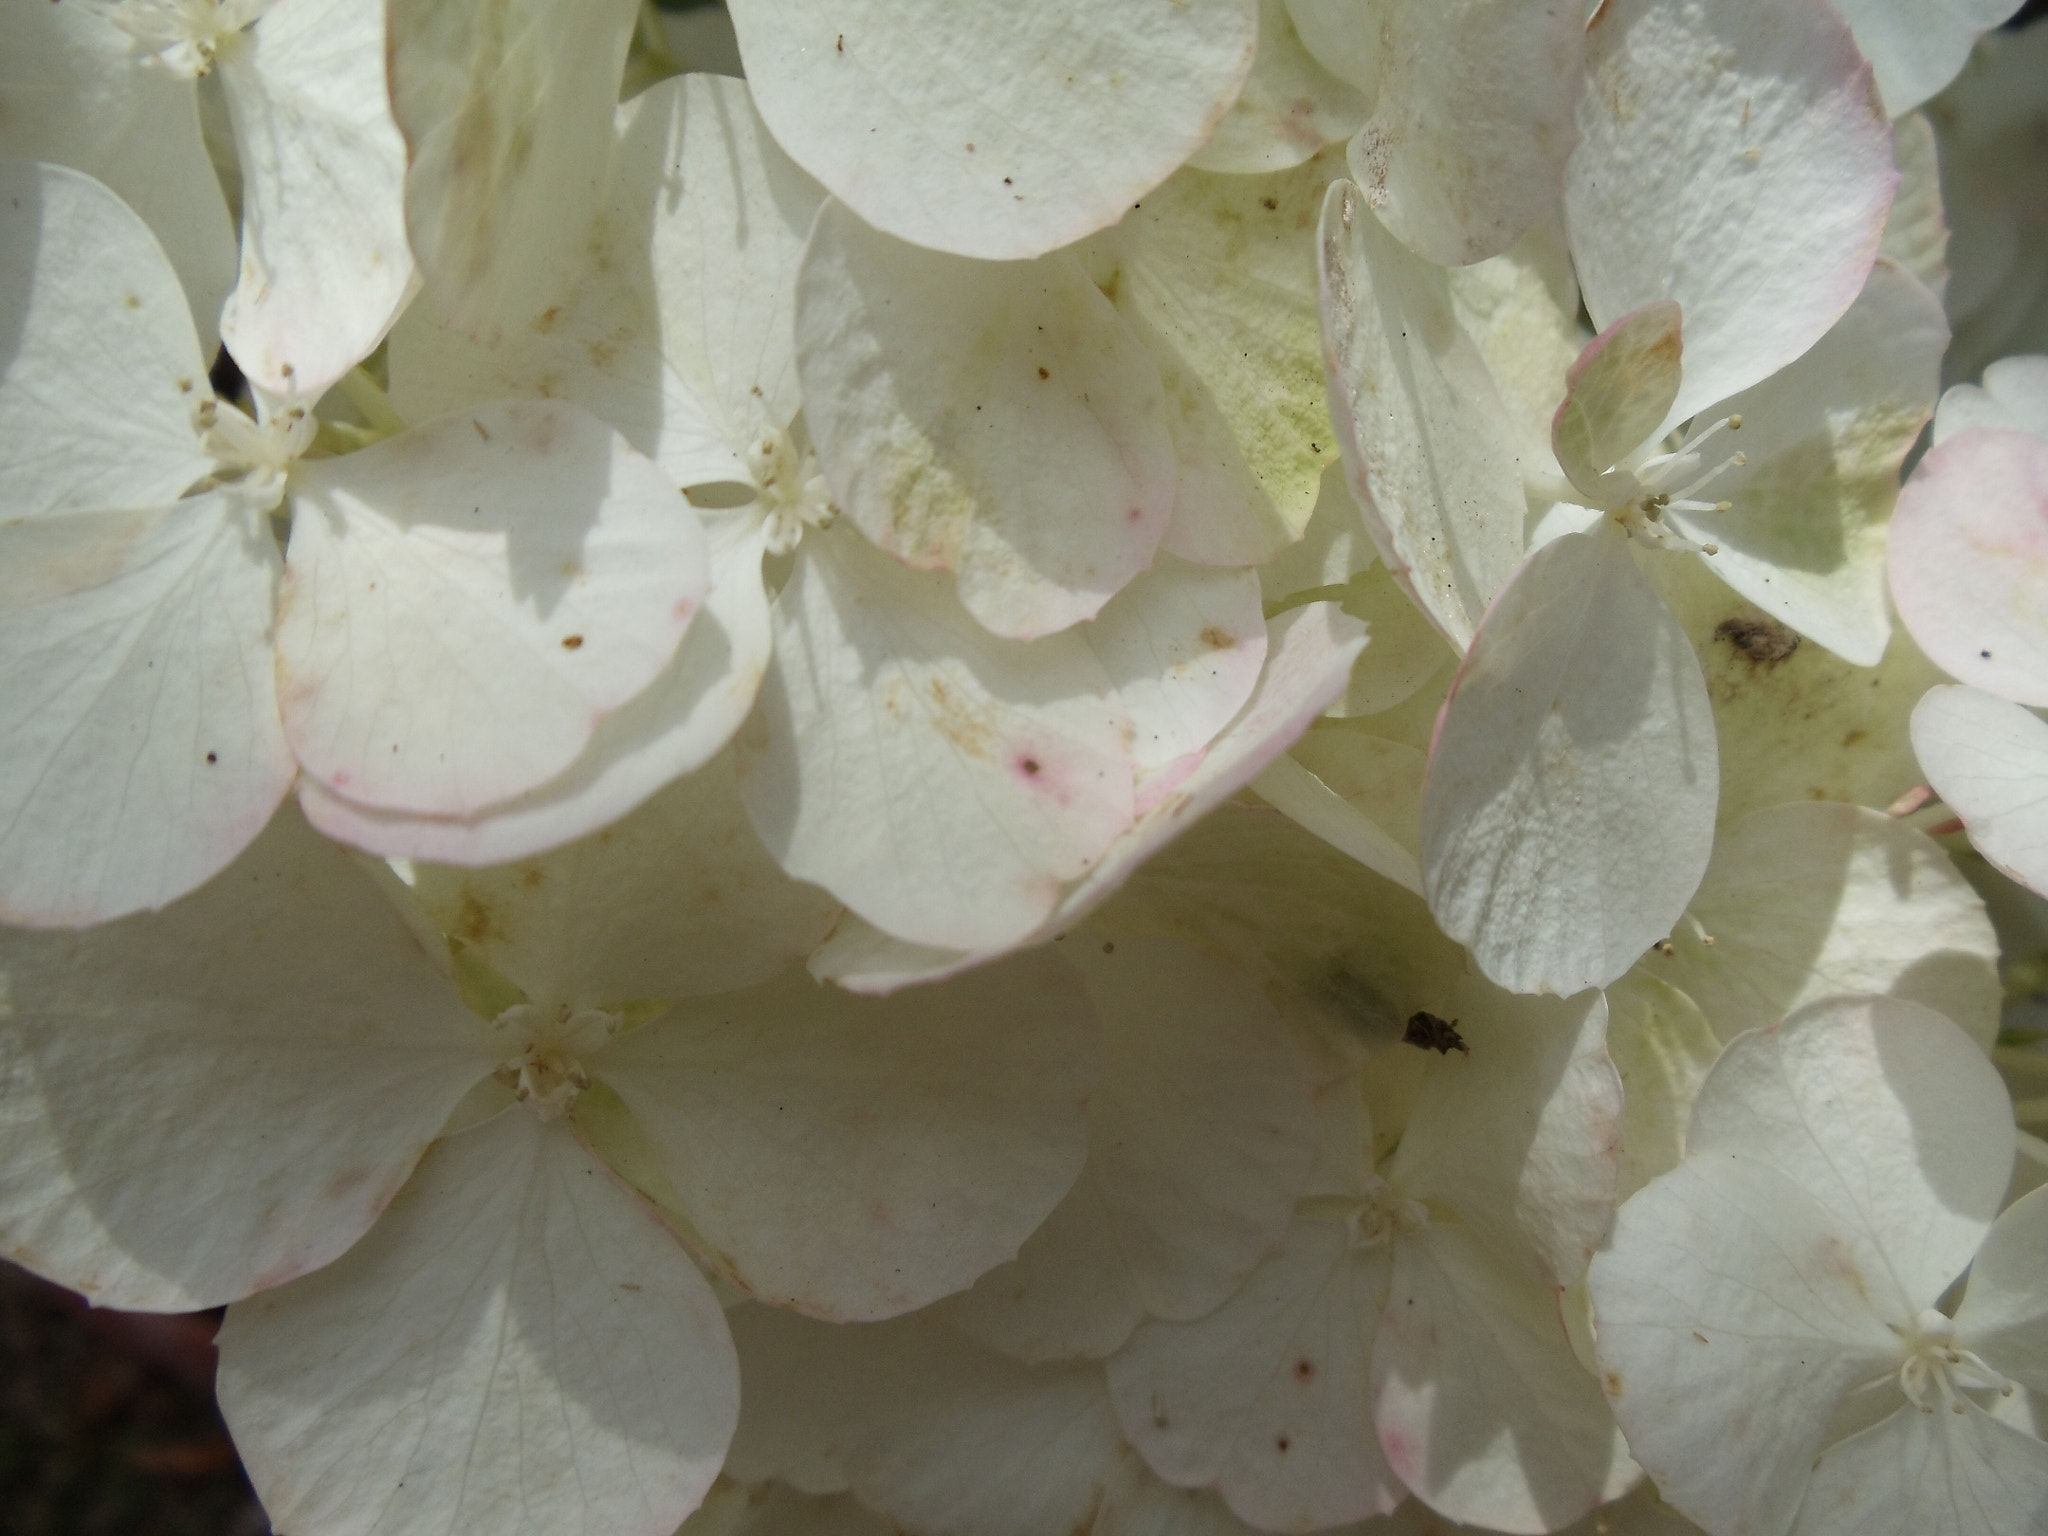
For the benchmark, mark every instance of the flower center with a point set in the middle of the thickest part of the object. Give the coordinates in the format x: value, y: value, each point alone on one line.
x: 792, y: 491
x: 1934, y: 1364
x: 185, y: 37
x: 546, y: 1073
x: 1381, y: 1215
x: 255, y: 455
x: 1672, y: 482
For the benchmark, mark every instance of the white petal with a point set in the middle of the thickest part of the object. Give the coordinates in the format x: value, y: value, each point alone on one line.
x: 1616, y: 394
x: 1810, y: 899
x: 1570, y: 808
x: 144, y: 748
x: 1290, y: 106
x: 1988, y: 759
x: 2013, y: 398
x: 207, y: 1101
x: 102, y: 372
x: 677, y: 900
x: 1521, y: 308
x: 1518, y: 1137
x: 678, y: 723
x: 1467, y: 142
x: 1969, y: 559
x: 1198, y: 1143
x: 1309, y: 653
x: 463, y: 605
x: 1662, y: 1046
x: 1343, y: 36
x: 1824, y: 439
x: 1306, y: 790
x: 857, y: 1157
x: 517, y: 1346
x: 723, y: 258
x: 997, y: 420
x: 1916, y: 231
x: 1887, y: 1115
x: 325, y: 265
x: 1752, y: 190
x: 943, y: 1435
x: 73, y: 92
x: 1184, y: 647
x: 1429, y: 444
x: 1929, y: 1474
x: 678, y: 329
x: 507, y: 115
x: 1918, y: 49
x: 943, y: 783
x: 989, y: 129
x: 1481, y: 1406
x: 1266, y: 1399
x: 1733, y: 1320
x: 2004, y: 1315
x: 1213, y: 274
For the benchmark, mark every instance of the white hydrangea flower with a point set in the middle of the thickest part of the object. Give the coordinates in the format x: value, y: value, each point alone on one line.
x: 1768, y: 1318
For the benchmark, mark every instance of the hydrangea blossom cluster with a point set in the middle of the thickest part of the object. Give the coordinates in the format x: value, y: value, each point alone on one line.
x: 939, y: 767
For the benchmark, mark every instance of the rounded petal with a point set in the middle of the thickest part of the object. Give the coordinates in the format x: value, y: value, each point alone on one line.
x: 506, y: 108
x: 994, y: 130
x: 997, y: 420
x: 73, y: 92
x: 144, y: 748
x: 325, y: 265
x: 1916, y: 232
x: 207, y: 1101
x: 944, y: 1436
x: 1662, y: 1046
x: 1929, y: 1474
x: 678, y: 900
x: 1290, y: 106
x: 1988, y: 759
x: 1888, y: 1116
x: 1917, y: 49
x: 1212, y: 273
x: 857, y: 1158
x: 1266, y: 1399
x: 1732, y: 1320
x: 1184, y: 647
x: 1199, y: 1140
x: 676, y: 725
x: 2004, y: 1315
x: 678, y: 328
x: 102, y: 373
x: 1735, y: 159
x: 1617, y: 393
x: 943, y: 783
x: 1518, y: 1137
x: 463, y: 605
x: 1429, y: 443
x: 1480, y: 1404
x: 1467, y: 140
x: 518, y: 1346
x: 1824, y: 438
x: 1569, y: 812
x: 1808, y: 900
x: 1969, y: 560
x: 1310, y: 652
x: 2012, y: 398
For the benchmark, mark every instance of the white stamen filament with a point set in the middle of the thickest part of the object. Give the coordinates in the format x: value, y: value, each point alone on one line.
x: 546, y: 1074
x: 792, y: 490
x: 1935, y: 1360
x: 1643, y: 514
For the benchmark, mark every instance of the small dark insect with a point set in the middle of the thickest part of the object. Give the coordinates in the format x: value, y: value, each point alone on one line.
x: 842, y: 42
x: 1764, y: 642
x: 1427, y: 1032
